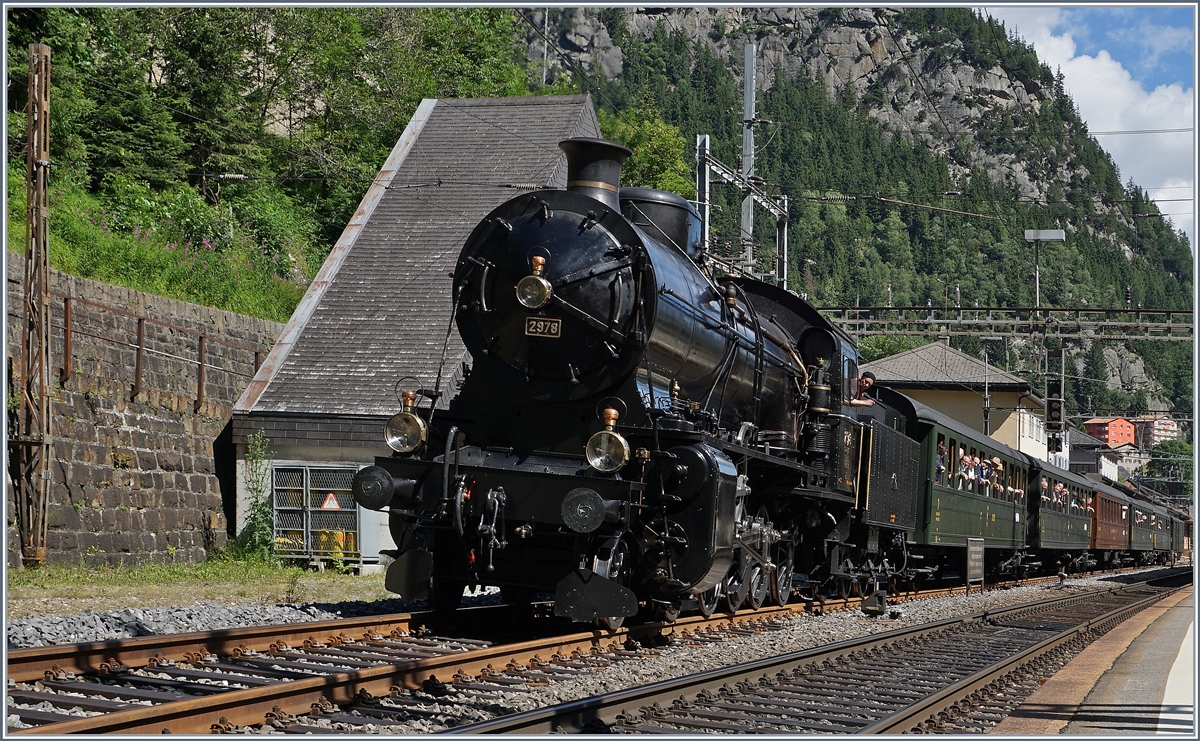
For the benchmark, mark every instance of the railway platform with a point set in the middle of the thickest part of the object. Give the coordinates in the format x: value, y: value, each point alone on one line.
x: 1137, y: 679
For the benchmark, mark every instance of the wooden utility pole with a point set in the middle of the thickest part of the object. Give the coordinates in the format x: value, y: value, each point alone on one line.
x: 33, y: 417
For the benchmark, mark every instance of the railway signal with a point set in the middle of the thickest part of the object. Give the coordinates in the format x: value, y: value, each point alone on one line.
x: 1054, y: 443
x: 1054, y: 415
x: 1054, y: 392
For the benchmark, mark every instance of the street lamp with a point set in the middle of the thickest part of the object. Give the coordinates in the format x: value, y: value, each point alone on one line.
x: 1037, y: 236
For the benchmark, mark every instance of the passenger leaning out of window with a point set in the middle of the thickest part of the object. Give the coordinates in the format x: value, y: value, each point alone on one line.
x: 865, y: 382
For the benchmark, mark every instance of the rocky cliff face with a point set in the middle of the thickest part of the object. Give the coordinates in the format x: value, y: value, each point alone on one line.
x: 920, y: 92
x: 916, y: 88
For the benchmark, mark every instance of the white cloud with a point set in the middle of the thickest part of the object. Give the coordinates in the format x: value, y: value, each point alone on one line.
x: 1154, y: 41
x: 1110, y: 99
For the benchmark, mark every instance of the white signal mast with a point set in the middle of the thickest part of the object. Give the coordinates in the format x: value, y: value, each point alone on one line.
x: 707, y: 167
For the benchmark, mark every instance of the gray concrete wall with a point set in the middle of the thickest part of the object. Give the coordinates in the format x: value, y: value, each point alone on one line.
x: 149, y: 478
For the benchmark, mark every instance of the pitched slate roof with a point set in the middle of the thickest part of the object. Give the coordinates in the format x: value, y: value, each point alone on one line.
x: 939, y: 366
x: 379, y: 308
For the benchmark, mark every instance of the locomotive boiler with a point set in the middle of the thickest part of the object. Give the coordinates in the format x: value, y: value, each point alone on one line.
x: 634, y: 430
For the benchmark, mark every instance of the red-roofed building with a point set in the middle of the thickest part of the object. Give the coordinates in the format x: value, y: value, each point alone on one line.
x: 1112, y: 430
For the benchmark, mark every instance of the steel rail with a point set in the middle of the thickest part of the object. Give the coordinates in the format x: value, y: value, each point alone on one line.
x: 582, y: 716
x: 250, y: 706
x: 30, y: 664
x: 907, y: 718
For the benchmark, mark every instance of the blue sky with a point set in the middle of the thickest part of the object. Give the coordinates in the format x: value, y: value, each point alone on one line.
x: 1127, y: 69
x: 1155, y: 45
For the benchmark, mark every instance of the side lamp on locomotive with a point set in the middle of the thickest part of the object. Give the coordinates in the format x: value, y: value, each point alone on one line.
x: 406, y: 431
x: 607, y: 451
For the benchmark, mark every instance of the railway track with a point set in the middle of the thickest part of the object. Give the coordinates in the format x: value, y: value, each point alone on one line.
x: 200, y: 682
x: 937, y: 677
x: 307, y: 676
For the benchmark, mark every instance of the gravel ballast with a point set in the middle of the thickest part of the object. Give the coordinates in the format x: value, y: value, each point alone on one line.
x: 50, y: 630
x: 805, y: 632
x: 802, y: 632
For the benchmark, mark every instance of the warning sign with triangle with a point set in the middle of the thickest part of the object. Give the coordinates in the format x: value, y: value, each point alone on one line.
x: 330, y: 502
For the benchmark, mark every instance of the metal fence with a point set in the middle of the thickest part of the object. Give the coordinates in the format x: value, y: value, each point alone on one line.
x: 316, y: 516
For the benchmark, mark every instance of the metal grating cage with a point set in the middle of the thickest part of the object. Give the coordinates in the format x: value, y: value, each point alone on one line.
x: 315, y: 513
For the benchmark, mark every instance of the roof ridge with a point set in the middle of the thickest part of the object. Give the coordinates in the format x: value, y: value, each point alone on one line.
x: 526, y: 100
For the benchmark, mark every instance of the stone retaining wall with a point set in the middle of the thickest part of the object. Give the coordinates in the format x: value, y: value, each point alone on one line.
x: 145, y: 478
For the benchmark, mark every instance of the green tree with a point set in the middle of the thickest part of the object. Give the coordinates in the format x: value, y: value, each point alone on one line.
x: 1172, y: 460
x: 131, y: 132
x: 884, y: 346
x: 658, y: 150
x: 67, y: 31
x: 211, y: 88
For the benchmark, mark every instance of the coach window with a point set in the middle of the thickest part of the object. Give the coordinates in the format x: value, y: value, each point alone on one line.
x: 973, y: 471
x: 940, y: 454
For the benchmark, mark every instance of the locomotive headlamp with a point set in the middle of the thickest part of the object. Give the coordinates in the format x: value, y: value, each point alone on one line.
x: 607, y: 451
x: 533, y: 291
x: 405, y: 432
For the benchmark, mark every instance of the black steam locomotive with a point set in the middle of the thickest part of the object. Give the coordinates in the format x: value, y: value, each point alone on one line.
x: 636, y: 430
x: 632, y: 430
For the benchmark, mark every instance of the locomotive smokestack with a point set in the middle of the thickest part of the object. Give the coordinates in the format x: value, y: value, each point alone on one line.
x: 594, y: 168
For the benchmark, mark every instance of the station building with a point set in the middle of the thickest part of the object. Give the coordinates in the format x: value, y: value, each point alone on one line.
x: 379, y: 312
x: 970, y: 390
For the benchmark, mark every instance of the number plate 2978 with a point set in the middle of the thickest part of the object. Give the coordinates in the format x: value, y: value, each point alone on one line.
x: 542, y: 327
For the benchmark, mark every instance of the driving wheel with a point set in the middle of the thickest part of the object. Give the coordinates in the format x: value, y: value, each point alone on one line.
x: 708, y: 601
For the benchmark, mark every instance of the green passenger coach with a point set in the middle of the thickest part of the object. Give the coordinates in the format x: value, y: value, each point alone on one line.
x: 972, y: 486
x: 1060, y: 512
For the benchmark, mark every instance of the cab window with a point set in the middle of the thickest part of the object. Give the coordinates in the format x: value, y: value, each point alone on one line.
x: 849, y: 377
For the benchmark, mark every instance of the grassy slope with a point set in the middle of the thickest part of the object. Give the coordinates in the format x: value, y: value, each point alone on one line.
x: 89, y: 240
